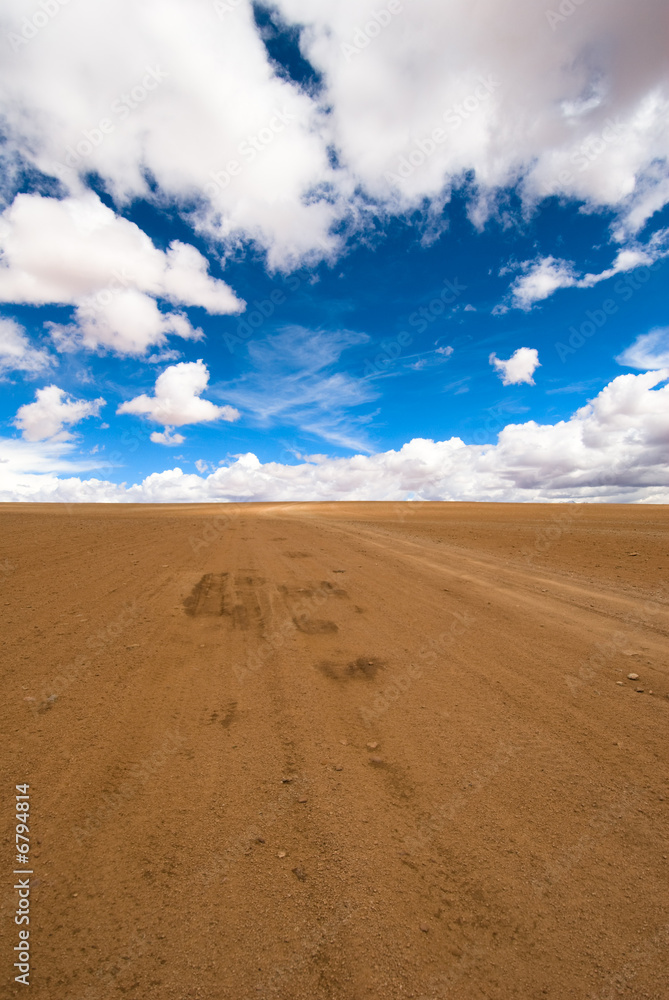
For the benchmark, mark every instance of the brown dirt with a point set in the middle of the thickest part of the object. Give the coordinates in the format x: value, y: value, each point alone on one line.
x: 338, y: 751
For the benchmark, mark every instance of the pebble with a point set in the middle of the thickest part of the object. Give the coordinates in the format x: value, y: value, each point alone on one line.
x: 372, y: 746
x: 338, y: 767
x: 286, y: 781
x: 632, y: 677
x: 301, y: 800
x: 425, y: 929
x: 639, y: 690
x: 300, y: 874
x: 619, y: 682
x: 281, y: 854
x: 376, y: 760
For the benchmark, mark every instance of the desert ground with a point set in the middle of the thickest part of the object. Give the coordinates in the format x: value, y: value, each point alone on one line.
x: 374, y: 750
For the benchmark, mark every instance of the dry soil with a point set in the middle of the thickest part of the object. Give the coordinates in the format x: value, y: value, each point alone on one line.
x: 338, y: 751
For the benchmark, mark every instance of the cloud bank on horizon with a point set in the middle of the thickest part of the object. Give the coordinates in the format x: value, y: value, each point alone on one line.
x: 422, y: 237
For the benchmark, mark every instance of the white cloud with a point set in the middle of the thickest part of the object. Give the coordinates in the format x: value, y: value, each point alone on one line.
x: 177, y: 401
x: 292, y: 381
x: 446, y: 351
x: 650, y: 351
x: 77, y: 252
x: 577, y: 110
x: 17, y: 353
x: 520, y: 367
x: 52, y: 410
x: 167, y: 437
x: 543, y: 277
x: 541, y: 280
x: 611, y: 449
x: 214, y: 125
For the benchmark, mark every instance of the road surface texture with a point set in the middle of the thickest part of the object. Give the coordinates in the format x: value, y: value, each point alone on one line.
x: 337, y: 750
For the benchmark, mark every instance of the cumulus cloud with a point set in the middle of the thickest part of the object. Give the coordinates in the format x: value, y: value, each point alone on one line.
x: 542, y: 279
x: 412, y: 101
x: 650, y: 351
x: 520, y: 367
x: 611, y: 449
x: 167, y: 437
x: 78, y: 252
x: 194, y: 105
x: 177, y: 401
x: 576, y: 109
x: 52, y: 410
x: 17, y: 353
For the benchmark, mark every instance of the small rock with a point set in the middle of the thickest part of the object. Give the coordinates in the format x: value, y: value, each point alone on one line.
x: 286, y: 781
x: 619, y: 682
x: 372, y: 746
x: 260, y: 840
x: 338, y: 767
x: 301, y: 800
x: 425, y: 929
x: 299, y: 874
x: 376, y: 760
x: 632, y: 553
x: 632, y: 677
x: 281, y: 854
x: 639, y: 690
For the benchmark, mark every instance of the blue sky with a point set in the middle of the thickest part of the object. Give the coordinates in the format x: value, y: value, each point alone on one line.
x: 375, y: 292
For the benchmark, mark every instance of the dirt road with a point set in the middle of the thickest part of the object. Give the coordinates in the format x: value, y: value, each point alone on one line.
x: 337, y: 751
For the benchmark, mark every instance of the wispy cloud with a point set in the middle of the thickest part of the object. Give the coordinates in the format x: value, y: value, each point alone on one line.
x: 294, y: 380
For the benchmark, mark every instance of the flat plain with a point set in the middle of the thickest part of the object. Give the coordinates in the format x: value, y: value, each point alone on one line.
x: 344, y: 751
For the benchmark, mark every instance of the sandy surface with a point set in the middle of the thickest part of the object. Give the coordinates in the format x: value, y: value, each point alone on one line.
x: 346, y: 751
